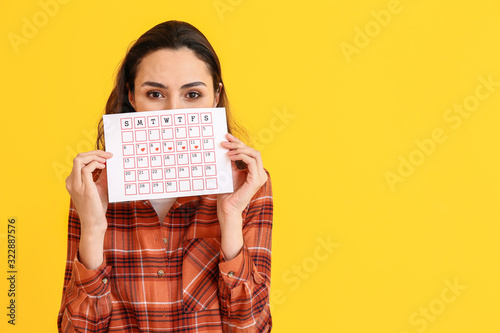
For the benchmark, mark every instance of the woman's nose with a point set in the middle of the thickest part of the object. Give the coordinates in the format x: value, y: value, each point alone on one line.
x: 172, y: 104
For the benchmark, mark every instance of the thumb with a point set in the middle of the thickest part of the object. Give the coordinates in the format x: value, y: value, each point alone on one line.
x: 102, y: 188
x: 102, y: 180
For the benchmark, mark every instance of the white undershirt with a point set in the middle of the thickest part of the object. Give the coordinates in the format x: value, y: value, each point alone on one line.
x: 162, y: 206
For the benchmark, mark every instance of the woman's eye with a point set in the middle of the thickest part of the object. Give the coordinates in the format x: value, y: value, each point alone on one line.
x: 155, y: 94
x: 193, y: 95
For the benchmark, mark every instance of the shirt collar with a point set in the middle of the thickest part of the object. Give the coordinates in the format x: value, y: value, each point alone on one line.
x: 184, y: 200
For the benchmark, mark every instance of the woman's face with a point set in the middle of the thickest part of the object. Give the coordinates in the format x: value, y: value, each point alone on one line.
x: 173, y: 79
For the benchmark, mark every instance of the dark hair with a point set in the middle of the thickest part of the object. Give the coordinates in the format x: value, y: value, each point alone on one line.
x: 167, y: 35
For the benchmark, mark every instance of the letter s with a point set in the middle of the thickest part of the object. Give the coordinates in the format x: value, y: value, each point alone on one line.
x: 294, y: 280
x: 416, y: 322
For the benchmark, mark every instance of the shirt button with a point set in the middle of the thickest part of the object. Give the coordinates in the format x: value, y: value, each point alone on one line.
x: 230, y: 274
x: 105, y: 280
x: 165, y: 240
x: 161, y: 272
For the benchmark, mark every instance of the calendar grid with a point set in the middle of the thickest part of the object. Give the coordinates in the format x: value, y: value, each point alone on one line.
x: 150, y: 164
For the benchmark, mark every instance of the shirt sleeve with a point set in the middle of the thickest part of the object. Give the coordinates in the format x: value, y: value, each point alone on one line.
x: 86, y: 300
x: 245, y: 280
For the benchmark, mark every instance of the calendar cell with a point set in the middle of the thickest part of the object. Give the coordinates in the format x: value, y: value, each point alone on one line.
x: 207, y: 131
x: 208, y: 144
x: 154, y: 134
x: 193, y: 118
x: 183, y: 172
x: 142, y: 149
x: 170, y: 173
x: 127, y: 137
x: 143, y: 175
x: 169, y: 160
x: 156, y: 174
x: 197, y: 171
x: 210, y: 170
x: 140, y: 135
x: 140, y: 122
x: 168, y: 146
x: 130, y: 189
x: 181, y: 145
x: 158, y: 187
x: 195, y: 158
x: 211, y: 183
x: 144, y: 188
x: 209, y: 156
x: 184, y: 185
x: 206, y: 118
x: 142, y: 162
x: 154, y: 148
x: 126, y: 123
x: 180, y: 132
x: 130, y: 176
x: 194, y: 132
x: 180, y: 119
x: 156, y: 161
x: 194, y: 145
x: 167, y: 133
x: 171, y: 186
x: 128, y: 150
x: 129, y: 163
x: 197, y: 184
x: 182, y: 159
x: 153, y: 121
x: 166, y: 120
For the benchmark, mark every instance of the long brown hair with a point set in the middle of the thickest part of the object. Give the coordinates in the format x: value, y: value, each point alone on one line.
x: 167, y: 35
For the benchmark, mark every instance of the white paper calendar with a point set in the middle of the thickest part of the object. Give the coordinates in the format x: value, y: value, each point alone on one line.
x: 166, y: 154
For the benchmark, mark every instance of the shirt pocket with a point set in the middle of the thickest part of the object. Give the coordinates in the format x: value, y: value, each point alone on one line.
x: 200, y: 274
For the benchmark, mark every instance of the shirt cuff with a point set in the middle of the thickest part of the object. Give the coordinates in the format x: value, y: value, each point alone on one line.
x: 239, y: 269
x: 95, y: 282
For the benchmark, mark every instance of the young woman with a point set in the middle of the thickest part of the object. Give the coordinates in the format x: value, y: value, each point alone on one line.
x: 188, y: 264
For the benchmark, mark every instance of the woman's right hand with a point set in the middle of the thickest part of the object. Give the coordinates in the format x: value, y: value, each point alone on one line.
x: 89, y: 197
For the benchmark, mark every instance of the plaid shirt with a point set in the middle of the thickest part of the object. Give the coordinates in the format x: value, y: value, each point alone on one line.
x: 171, y: 276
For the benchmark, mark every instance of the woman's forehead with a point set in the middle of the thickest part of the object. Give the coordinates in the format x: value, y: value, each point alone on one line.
x: 171, y: 67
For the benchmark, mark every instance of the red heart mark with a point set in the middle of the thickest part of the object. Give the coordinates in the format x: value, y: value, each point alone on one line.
x: 157, y: 149
x: 196, y: 146
x: 142, y: 149
x: 169, y: 148
x: 183, y: 147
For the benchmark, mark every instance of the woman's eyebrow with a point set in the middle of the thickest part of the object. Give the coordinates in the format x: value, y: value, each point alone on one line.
x: 154, y: 84
x: 161, y: 85
x: 193, y: 84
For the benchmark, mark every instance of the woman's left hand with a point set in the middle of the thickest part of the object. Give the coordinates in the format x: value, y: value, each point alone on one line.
x: 246, y: 182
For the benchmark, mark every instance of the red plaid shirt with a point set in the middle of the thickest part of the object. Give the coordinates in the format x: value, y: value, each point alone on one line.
x: 171, y: 276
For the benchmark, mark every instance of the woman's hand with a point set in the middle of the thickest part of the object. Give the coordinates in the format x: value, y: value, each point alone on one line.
x: 246, y: 183
x: 90, y: 198
x: 91, y: 202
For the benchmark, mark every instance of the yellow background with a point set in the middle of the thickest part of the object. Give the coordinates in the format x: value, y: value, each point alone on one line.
x: 330, y: 126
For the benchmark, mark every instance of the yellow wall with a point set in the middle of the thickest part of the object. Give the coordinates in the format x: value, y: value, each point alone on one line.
x: 375, y: 119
